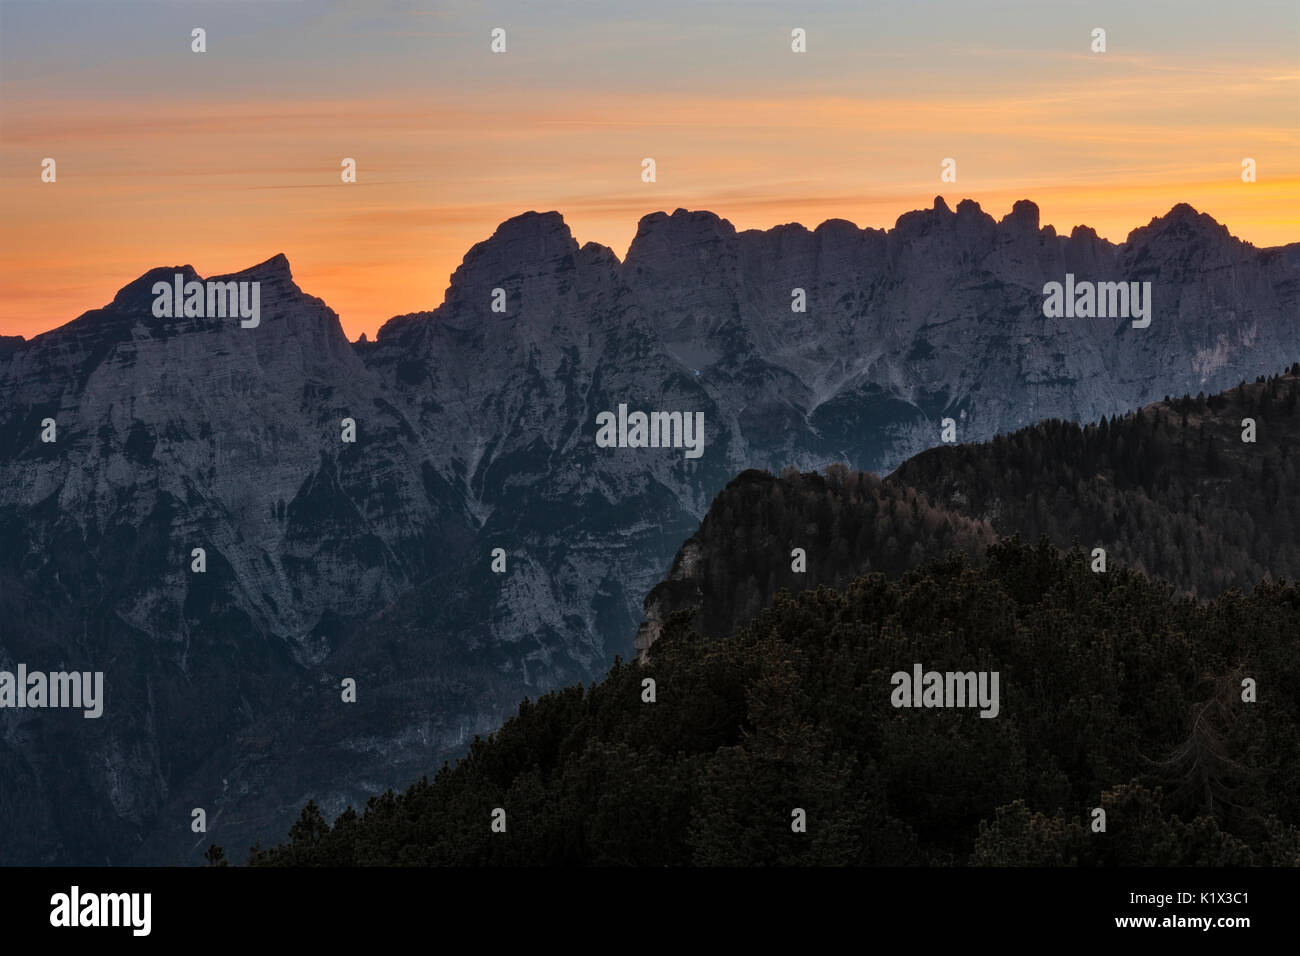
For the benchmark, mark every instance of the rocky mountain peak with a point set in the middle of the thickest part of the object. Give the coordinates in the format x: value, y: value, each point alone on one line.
x: 1182, y: 224
x: 534, y: 240
x: 921, y: 222
x: 274, y: 269
x: 531, y: 248
x: 661, y: 237
x: 138, y: 295
x: 1023, y: 217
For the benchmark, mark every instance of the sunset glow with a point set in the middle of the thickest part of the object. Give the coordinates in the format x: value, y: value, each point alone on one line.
x: 223, y: 159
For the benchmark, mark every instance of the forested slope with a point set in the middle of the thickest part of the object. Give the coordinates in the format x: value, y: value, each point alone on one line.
x: 1172, y: 488
x: 1113, y: 695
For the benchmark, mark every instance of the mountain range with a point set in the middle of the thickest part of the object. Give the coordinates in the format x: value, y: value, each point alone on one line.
x: 475, y: 430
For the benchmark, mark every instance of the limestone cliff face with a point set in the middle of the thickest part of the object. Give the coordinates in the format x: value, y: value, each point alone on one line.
x: 475, y: 430
x: 175, y: 434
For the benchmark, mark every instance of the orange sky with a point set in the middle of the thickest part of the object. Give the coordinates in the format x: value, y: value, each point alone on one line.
x: 147, y: 178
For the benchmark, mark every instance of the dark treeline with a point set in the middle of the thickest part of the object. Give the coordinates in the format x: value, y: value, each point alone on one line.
x: 1171, y: 489
x: 1113, y: 694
